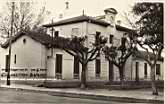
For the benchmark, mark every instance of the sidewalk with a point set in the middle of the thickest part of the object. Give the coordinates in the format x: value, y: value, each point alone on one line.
x: 142, y: 95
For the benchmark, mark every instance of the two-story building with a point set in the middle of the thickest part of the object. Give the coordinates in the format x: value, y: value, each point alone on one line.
x: 32, y: 57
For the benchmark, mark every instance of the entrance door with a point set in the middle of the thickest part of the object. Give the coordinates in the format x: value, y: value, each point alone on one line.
x: 7, y: 63
x: 111, y: 71
x: 58, y: 66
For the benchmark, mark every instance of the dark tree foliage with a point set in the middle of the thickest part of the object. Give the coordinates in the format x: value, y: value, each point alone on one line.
x: 77, y: 47
x: 150, y: 34
x: 118, y: 55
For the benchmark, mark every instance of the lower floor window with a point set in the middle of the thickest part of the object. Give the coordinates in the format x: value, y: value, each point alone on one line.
x: 98, y: 68
x: 58, y: 66
x: 157, y: 69
x: 76, y: 68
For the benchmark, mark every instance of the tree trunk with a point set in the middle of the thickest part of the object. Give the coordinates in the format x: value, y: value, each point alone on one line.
x: 121, y: 72
x: 83, y: 76
x: 153, y: 85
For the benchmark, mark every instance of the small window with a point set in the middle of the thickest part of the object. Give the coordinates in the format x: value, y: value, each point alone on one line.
x: 15, y: 58
x: 111, y: 39
x: 112, y: 18
x: 75, y: 32
x: 56, y: 33
x: 157, y: 69
x: 24, y: 41
x: 145, y: 69
x: 76, y: 68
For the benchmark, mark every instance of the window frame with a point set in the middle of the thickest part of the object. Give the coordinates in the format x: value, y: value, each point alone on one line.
x: 145, y: 69
x: 15, y: 59
x: 111, y: 37
x: 158, y: 71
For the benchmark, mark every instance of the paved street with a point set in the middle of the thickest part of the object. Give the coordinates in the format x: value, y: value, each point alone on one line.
x: 13, y: 96
x: 17, y: 93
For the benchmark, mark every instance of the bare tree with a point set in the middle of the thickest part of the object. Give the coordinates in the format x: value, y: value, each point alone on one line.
x: 77, y: 48
x: 25, y: 17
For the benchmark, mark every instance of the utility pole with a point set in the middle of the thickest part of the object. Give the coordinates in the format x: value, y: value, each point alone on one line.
x: 10, y: 41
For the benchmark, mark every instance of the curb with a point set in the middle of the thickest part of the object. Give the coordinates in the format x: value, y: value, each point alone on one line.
x: 90, y: 96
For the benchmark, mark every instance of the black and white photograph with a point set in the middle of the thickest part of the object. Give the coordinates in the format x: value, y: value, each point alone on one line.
x: 82, y: 51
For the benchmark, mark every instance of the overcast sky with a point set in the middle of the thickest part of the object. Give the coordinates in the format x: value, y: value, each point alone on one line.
x: 90, y: 7
x: 76, y: 7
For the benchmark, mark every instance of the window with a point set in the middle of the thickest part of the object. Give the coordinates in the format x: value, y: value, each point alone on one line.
x: 24, y: 41
x: 56, y: 33
x: 97, y: 37
x: 137, y: 72
x: 123, y: 41
x: 7, y: 63
x: 15, y: 58
x: 98, y: 68
x: 157, y: 69
x: 111, y: 39
x: 145, y: 69
x: 75, y: 32
x: 76, y: 68
x: 111, y: 71
x: 58, y: 66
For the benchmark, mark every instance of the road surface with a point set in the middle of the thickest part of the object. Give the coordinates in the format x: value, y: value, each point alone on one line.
x: 20, y: 96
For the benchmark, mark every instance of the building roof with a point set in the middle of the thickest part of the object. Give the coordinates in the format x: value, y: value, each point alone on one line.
x: 77, y: 19
x: 44, y: 39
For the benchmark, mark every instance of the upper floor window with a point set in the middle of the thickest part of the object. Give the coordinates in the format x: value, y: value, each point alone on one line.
x: 75, y: 32
x: 97, y: 37
x: 111, y: 39
x: 56, y: 33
